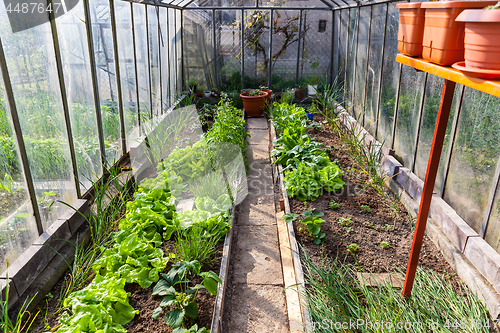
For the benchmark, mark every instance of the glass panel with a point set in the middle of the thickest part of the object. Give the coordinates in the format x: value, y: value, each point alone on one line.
x: 178, y: 49
x: 431, y: 108
x: 361, y: 61
x: 374, y: 66
x: 31, y: 64
x: 344, y: 19
x: 390, y: 75
x: 284, y: 4
x: 351, y: 53
x: 127, y: 66
x: 17, y: 225
x: 285, y: 46
x: 171, y: 52
x: 256, y: 47
x: 141, y: 52
x: 229, y: 62
x: 198, y: 52
x: 336, y: 50
x: 154, y: 59
x: 408, y: 109
x: 317, y: 46
x: 103, y: 49
x: 492, y: 235
x: 474, y: 157
x: 79, y: 90
x: 165, y: 67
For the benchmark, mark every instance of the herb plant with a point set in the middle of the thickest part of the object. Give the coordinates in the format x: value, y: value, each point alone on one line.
x: 352, y: 248
x: 365, y: 209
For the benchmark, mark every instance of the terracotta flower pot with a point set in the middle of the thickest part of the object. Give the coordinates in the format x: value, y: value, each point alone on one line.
x: 411, y: 28
x: 254, y: 105
x: 482, y: 38
x: 299, y: 93
x: 269, y: 93
x: 443, y: 41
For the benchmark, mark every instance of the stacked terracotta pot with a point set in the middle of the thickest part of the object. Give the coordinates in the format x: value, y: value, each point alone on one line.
x: 447, y: 32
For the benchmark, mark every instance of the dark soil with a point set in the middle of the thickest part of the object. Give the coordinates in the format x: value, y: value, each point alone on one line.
x: 141, y: 300
x: 387, y: 221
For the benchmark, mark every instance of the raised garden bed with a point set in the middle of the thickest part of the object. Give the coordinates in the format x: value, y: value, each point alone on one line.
x: 360, y: 228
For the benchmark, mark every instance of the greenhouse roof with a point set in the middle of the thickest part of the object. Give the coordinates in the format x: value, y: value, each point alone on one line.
x: 261, y: 4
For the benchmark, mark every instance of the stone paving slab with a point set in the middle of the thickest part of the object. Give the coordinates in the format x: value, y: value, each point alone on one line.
x: 258, y: 154
x: 258, y: 137
x: 259, y: 211
x: 259, y: 123
x: 257, y: 309
x: 256, y: 256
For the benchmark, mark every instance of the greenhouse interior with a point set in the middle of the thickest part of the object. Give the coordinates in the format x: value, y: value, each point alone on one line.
x: 249, y: 166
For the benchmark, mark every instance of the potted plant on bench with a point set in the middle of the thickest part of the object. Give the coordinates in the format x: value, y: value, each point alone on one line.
x: 254, y: 102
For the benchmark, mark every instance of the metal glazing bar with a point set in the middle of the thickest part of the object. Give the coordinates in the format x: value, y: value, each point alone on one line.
x: 155, y: 3
x: 396, y: 107
x: 215, y: 49
x: 19, y: 138
x: 298, y: 48
x: 367, y: 66
x: 242, y: 49
x: 453, y: 135
x: 138, y: 105
x: 355, y: 59
x: 95, y: 82
x: 64, y: 98
x: 118, y: 75
x: 208, y: 8
x: 270, y: 66
x: 419, y: 124
x: 149, y: 65
x: 190, y: 2
x: 379, y: 97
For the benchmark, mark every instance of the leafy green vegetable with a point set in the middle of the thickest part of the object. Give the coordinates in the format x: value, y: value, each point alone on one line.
x: 308, y: 182
x: 102, y: 306
x: 132, y: 258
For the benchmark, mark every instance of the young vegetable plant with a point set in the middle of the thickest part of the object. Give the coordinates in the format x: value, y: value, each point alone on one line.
x: 290, y: 217
x: 312, y: 223
x: 334, y: 205
x: 345, y: 221
x: 365, y: 209
x: 180, y: 303
x: 385, y: 244
x: 388, y: 227
x: 352, y: 248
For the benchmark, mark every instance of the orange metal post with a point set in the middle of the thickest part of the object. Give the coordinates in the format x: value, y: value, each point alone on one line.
x: 430, y: 178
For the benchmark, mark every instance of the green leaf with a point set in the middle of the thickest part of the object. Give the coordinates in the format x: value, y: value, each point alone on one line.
x: 162, y: 288
x: 157, y: 312
x: 175, y: 318
x: 318, y: 213
x: 210, y: 285
x: 313, y: 228
x: 192, y: 310
x: 168, y: 300
x: 317, y: 241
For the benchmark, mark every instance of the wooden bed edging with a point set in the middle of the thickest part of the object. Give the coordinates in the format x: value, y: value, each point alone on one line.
x: 224, y: 270
x: 293, y: 246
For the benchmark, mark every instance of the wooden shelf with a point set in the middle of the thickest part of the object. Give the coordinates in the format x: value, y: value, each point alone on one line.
x: 491, y: 87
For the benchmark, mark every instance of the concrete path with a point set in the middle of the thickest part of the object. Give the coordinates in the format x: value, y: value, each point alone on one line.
x: 255, y: 300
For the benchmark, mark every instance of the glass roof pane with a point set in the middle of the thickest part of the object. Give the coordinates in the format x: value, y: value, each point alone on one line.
x: 223, y: 3
x: 293, y: 3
